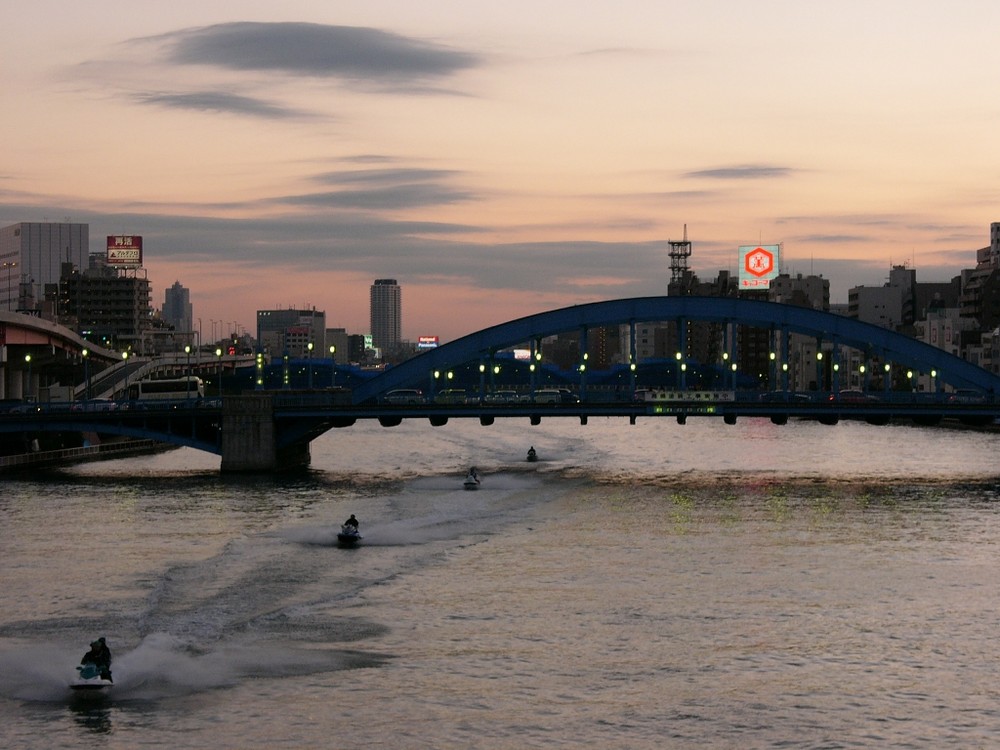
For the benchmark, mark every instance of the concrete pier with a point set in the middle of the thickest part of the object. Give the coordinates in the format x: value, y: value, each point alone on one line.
x: 249, y: 440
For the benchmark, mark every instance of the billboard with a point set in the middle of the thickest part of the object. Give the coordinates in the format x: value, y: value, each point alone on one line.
x: 759, y: 265
x: 125, y: 250
x: 427, y: 342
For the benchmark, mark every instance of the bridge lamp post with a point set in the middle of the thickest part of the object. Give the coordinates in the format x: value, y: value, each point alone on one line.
x: 27, y: 386
x: 309, y: 358
x: 934, y: 381
x: 631, y: 380
x: 482, y: 380
x: 85, y: 353
x: 677, y: 370
x: 887, y: 379
x: 909, y: 379
x: 10, y: 275
x: 125, y: 359
x: 862, y: 380
x: 333, y: 365
x: 218, y: 354
x: 835, y: 377
x: 187, y: 385
x: 733, y: 367
x: 784, y: 375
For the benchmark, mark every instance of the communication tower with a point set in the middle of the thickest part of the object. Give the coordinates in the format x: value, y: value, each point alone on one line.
x: 680, y: 251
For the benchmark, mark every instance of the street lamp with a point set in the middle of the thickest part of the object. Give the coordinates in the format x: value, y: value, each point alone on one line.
x: 333, y: 365
x: 27, y: 387
x: 85, y: 353
x: 218, y: 353
x: 309, y: 356
x: 125, y: 357
x: 187, y: 384
x: 10, y: 275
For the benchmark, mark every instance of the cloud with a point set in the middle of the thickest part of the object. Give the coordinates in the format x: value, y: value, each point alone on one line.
x: 745, y: 172
x: 220, y: 101
x: 314, y: 50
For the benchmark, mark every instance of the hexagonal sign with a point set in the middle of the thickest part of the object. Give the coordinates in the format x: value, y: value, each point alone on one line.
x: 758, y: 265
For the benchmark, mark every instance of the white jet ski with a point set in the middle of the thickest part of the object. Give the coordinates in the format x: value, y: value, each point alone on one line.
x: 89, y: 680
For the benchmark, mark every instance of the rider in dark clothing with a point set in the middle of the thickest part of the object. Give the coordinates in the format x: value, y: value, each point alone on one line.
x: 100, y: 656
x: 352, y: 521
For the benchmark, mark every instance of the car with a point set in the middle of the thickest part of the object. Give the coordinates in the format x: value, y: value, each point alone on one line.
x: 854, y: 396
x: 502, y: 397
x: 556, y: 396
x: 966, y: 396
x: 405, y: 396
x: 450, y: 396
x: 95, y: 404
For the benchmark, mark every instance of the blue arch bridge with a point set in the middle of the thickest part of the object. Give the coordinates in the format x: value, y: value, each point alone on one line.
x: 895, y: 378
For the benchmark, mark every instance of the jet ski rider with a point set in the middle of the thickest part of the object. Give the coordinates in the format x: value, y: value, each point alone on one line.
x: 100, y: 656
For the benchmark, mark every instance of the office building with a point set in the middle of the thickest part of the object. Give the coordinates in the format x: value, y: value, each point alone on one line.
x: 32, y: 255
x: 177, y: 310
x: 289, y: 332
x: 386, y: 315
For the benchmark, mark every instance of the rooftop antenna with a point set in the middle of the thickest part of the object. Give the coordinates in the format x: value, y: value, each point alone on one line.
x: 679, y: 254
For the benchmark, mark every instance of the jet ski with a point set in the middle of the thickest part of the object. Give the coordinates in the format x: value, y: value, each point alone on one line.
x: 91, y: 679
x: 471, y: 480
x: 348, y: 536
x: 532, y: 455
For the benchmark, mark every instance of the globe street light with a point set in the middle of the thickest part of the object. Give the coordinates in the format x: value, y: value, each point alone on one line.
x: 218, y: 353
x: 187, y: 385
x: 27, y: 387
x: 333, y: 365
x: 309, y: 356
x: 85, y: 353
x: 125, y: 357
x: 10, y: 275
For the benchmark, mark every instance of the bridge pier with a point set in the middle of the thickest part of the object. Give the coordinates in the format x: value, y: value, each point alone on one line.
x: 249, y: 439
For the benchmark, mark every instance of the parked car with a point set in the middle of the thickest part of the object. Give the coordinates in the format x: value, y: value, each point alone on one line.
x: 405, y: 396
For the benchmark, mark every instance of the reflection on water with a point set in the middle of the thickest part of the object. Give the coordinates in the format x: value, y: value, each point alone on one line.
x: 715, y: 585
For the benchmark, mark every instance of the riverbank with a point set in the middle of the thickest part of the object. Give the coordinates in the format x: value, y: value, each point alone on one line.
x: 105, y: 451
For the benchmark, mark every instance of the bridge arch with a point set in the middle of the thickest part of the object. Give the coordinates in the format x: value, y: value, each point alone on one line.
x: 900, y: 349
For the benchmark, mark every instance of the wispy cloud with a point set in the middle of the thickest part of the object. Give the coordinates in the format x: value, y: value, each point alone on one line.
x: 743, y: 172
x: 220, y: 101
x: 315, y: 50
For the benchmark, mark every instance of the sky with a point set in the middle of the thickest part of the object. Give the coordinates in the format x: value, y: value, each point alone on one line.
x: 500, y: 159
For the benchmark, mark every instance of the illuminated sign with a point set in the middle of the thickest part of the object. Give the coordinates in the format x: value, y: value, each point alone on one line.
x: 758, y: 265
x: 125, y: 250
x: 427, y: 342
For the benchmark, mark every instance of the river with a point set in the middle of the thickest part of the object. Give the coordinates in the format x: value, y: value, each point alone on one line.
x: 640, y: 586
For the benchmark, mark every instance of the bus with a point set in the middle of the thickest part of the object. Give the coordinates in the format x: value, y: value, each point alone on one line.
x: 176, y: 389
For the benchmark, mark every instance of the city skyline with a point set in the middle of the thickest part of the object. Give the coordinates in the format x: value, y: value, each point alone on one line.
x: 501, y: 160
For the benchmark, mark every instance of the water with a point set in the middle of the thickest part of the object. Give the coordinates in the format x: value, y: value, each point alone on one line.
x: 641, y: 586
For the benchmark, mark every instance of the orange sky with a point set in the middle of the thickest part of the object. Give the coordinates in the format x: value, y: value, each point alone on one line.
x: 500, y: 160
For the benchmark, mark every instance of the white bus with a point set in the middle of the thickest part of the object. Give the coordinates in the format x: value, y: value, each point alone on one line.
x: 176, y: 389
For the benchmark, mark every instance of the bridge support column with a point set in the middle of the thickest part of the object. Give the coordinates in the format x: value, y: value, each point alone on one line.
x: 249, y: 439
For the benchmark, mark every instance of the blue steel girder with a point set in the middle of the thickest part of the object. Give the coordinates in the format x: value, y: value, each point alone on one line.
x: 897, y: 348
x: 29, y: 424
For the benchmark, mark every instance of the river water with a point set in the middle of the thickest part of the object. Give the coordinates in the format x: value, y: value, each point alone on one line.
x: 641, y: 586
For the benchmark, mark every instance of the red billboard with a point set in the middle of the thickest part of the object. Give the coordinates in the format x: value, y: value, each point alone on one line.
x: 124, y: 250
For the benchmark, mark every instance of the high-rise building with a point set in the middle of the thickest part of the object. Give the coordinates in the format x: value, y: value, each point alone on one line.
x: 177, y: 310
x: 31, y: 258
x: 386, y: 314
x: 289, y: 332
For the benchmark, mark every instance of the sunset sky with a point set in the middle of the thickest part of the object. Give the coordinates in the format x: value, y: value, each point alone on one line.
x: 500, y: 159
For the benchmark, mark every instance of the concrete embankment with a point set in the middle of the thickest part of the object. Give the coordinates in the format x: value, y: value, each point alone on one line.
x: 22, y: 462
